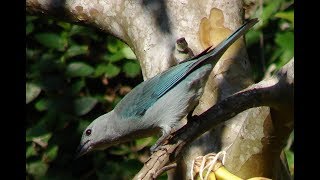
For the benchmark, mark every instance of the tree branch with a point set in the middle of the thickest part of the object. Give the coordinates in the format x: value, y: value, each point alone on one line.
x: 276, y: 92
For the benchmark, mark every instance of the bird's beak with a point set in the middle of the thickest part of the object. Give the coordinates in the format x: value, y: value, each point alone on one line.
x: 82, y: 149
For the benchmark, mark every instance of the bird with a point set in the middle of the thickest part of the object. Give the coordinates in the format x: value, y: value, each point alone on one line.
x: 159, y: 103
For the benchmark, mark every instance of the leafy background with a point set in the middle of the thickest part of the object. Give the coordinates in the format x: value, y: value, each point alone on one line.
x: 75, y: 73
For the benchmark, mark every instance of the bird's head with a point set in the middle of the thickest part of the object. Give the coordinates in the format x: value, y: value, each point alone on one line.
x: 99, y: 135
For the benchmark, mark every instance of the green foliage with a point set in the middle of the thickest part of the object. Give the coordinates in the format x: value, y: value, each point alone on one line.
x: 288, y: 15
x: 51, y: 40
x: 271, y: 43
x: 131, y: 69
x: 83, y: 105
x: 50, y: 153
x: 290, y: 158
x: 289, y: 153
x: 285, y: 43
x: 109, y: 70
x: 76, y: 50
x: 78, y: 69
x: 37, y: 169
x: 32, y: 92
x: 74, y: 74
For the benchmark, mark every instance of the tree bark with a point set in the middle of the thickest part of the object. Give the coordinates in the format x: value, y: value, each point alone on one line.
x: 151, y: 28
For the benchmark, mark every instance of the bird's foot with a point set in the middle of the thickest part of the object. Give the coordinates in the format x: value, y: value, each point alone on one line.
x: 191, y: 117
x: 158, y: 145
x: 166, y: 134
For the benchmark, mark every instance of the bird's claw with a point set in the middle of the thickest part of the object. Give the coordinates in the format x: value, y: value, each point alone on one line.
x: 158, y: 145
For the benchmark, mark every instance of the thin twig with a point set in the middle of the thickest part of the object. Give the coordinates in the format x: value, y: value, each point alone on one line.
x: 164, y: 169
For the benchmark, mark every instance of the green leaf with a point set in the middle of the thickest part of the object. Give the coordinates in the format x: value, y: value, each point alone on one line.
x: 131, y: 69
x: 290, y: 158
x: 111, y: 71
x: 45, y: 138
x: 51, y: 40
x: 34, y: 133
x: 101, y: 69
x: 83, y: 105
x: 252, y: 37
x: 51, y: 153
x: 32, y: 92
x: 30, y: 151
x: 114, y: 44
x: 128, y: 53
x: 77, y: 86
x: 287, y: 15
x: 113, y: 57
x: 269, y: 10
x: 48, y: 59
x: 76, y: 50
x: 37, y: 168
x: 37, y: 131
x: 112, y: 48
x: 78, y: 69
x: 29, y: 28
x: 286, y: 42
x: 64, y: 25
x: 32, y: 54
x: 83, y: 31
x: 285, y: 57
x: 42, y: 104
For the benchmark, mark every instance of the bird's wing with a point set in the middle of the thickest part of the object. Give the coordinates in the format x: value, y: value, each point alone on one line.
x: 142, y: 97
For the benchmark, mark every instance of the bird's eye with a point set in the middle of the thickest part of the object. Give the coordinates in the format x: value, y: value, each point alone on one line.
x: 88, y: 132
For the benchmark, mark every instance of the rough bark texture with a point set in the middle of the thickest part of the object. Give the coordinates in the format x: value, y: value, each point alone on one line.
x: 150, y: 28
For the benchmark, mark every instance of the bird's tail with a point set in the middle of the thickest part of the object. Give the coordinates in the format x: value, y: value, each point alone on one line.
x: 218, y: 51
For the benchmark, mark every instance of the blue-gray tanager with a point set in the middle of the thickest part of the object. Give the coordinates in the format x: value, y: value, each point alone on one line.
x: 157, y: 104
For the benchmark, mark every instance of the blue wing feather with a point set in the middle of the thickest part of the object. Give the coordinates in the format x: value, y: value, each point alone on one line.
x: 138, y: 101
